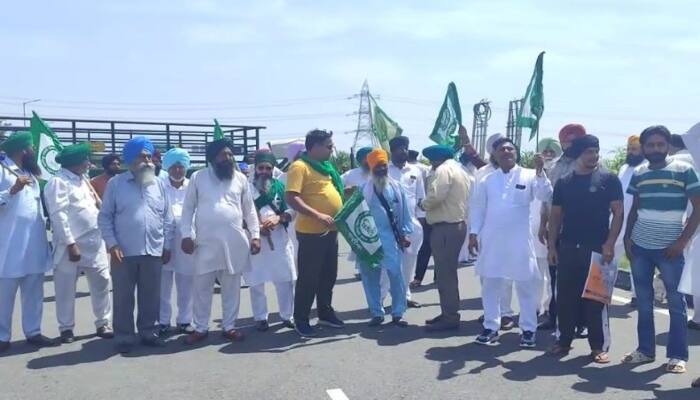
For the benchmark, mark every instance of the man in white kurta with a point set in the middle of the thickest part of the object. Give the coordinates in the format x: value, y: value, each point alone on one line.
x: 352, y: 180
x: 410, y: 177
x: 24, y: 248
x: 501, y: 220
x: 217, y: 203
x: 180, y: 269
x: 78, y: 245
x: 275, y: 262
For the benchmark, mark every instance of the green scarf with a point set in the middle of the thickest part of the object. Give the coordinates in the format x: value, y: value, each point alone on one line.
x: 267, y: 199
x: 326, y: 168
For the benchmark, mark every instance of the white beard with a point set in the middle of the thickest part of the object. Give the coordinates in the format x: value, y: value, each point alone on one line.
x: 380, y: 182
x: 262, y: 184
x: 145, y: 174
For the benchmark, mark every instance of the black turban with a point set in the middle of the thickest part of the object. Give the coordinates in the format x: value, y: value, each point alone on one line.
x: 213, y: 148
x: 398, y: 141
x: 581, y: 144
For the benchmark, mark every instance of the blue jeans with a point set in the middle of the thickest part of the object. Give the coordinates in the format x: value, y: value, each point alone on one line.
x: 644, y: 261
x: 370, y: 282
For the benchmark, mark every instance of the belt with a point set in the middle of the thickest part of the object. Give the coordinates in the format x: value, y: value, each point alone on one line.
x: 446, y: 223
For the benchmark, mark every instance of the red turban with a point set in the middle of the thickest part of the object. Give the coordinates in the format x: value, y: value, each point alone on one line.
x: 570, y: 132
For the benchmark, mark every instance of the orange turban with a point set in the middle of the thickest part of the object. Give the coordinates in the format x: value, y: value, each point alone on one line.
x: 634, y: 139
x: 377, y: 156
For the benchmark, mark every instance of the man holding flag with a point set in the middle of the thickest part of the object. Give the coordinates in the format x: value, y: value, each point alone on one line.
x: 315, y: 191
x: 24, y: 248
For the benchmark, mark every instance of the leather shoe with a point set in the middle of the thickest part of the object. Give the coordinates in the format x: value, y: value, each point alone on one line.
x: 262, y: 326
x: 434, y: 320
x: 67, y: 336
x: 442, y: 326
x: 547, y: 325
x: 375, y: 321
x: 195, y: 337
x: 234, y: 335
x: 105, y: 332
x: 399, y: 322
x: 42, y: 341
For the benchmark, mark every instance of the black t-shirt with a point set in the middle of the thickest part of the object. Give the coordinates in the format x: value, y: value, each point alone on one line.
x: 585, y: 206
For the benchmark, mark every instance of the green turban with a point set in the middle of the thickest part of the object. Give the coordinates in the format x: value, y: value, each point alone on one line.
x: 17, y: 142
x: 438, y: 152
x: 265, y: 157
x: 74, y: 155
x: 551, y: 144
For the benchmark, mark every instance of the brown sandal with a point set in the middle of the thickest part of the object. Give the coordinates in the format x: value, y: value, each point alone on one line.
x: 234, y: 335
x: 600, y: 357
x: 559, y: 350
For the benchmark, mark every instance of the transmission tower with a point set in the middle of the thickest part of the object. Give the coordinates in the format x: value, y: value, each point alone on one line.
x: 363, y: 133
x: 482, y: 114
x: 513, y: 131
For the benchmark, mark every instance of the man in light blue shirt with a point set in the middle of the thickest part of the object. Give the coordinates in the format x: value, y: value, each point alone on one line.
x: 137, y: 225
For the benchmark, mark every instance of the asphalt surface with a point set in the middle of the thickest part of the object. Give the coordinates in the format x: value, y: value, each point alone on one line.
x: 357, y: 362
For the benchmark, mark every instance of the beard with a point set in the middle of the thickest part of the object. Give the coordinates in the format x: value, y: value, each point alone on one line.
x: 634, y: 160
x: 380, y: 182
x: 655, y: 157
x: 224, y: 170
x: 145, y: 174
x: 262, y: 182
x: 178, y: 180
x: 158, y: 169
x: 29, y: 164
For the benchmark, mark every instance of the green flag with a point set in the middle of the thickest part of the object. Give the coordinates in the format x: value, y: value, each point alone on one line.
x: 384, y: 128
x: 356, y: 224
x: 449, y: 119
x: 533, y: 103
x: 46, y: 146
x: 218, y: 133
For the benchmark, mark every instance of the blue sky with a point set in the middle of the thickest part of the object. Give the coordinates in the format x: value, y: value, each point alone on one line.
x: 616, y: 67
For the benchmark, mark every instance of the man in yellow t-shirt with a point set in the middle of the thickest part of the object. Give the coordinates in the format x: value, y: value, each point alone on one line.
x: 314, y: 190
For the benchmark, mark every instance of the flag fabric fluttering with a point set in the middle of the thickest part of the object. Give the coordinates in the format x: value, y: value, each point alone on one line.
x: 383, y: 127
x: 46, y: 146
x: 218, y: 133
x: 449, y: 119
x: 356, y: 224
x: 532, y: 106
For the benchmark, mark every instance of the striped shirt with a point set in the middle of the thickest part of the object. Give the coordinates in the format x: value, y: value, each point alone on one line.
x: 663, y: 197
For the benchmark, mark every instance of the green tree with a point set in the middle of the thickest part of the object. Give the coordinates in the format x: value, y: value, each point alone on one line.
x: 341, y: 161
x: 527, y: 159
x: 617, y: 160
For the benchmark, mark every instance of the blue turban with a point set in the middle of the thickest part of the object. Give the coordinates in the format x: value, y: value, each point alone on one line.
x: 176, y: 156
x: 438, y: 152
x: 362, y: 154
x: 243, y: 166
x: 135, y: 146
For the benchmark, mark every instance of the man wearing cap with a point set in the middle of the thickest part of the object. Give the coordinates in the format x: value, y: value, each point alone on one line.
x: 275, y: 262
x: 357, y: 177
x: 111, y: 166
x: 657, y: 235
x: 180, y: 269
x: 217, y: 203
x: 501, y: 219
x: 581, y: 224
x: 562, y: 167
x: 24, y: 248
x: 78, y: 246
x: 136, y: 222
x: 445, y: 207
x: 410, y: 179
x: 389, y: 207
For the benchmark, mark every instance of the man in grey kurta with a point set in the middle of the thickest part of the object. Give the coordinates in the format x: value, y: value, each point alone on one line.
x: 137, y: 225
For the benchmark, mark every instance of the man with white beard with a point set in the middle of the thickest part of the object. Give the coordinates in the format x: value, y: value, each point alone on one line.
x: 389, y: 208
x: 180, y: 269
x: 501, y: 219
x: 137, y: 226
x: 275, y: 262
x: 79, y: 249
x: 217, y: 202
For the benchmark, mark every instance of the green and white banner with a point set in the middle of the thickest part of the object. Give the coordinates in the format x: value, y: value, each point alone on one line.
x: 46, y: 146
x: 218, y: 133
x: 449, y: 119
x: 356, y: 224
x: 533, y: 102
x: 383, y: 127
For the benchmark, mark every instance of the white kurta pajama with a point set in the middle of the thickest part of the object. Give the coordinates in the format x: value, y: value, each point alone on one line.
x: 273, y: 265
x: 213, y: 214
x: 70, y: 202
x: 410, y: 177
x: 180, y: 269
x: 24, y: 253
x: 501, y: 219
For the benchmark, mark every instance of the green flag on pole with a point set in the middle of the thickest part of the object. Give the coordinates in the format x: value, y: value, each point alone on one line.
x: 383, y: 127
x: 533, y: 103
x: 218, y: 133
x: 356, y: 224
x: 46, y: 146
x: 449, y: 119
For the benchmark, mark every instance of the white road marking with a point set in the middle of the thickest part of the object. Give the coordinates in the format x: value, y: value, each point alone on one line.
x: 625, y: 300
x: 337, y: 394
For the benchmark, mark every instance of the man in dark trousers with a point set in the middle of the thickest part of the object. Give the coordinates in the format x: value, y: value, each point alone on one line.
x: 580, y: 223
